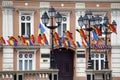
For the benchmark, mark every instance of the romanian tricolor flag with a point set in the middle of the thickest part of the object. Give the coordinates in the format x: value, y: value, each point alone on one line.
x: 60, y: 43
x: 45, y: 39
x: 96, y: 47
x: 22, y: 39
x: 88, y: 44
x: 69, y: 34
x: 40, y: 40
x: 78, y: 44
x: 27, y: 42
x: 15, y: 43
x: 95, y: 36
x: 56, y: 42
x: 74, y: 44
x: 31, y: 43
x: 84, y: 43
x: 12, y: 38
x: 10, y: 42
x: 41, y: 29
x: 32, y: 38
x: 63, y: 37
x: 95, y: 42
x: 112, y: 28
x: 2, y: 40
x: 56, y: 36
x: 65, y: 43
x: 97, y: 30
x: 82, y: 33
x: 69, y: 44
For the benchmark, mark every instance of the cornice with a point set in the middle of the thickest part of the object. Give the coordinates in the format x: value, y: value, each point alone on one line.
x: 71, y: 0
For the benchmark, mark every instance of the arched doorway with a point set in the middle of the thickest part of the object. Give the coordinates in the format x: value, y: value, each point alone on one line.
x: 64, y: 61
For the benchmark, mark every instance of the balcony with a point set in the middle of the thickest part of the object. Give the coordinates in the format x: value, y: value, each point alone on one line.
x: 104, y: 74
x: 42, y: 74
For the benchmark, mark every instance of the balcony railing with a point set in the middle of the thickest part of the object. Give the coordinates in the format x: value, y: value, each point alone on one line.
x: 28, y: 75
x: 104, y: 74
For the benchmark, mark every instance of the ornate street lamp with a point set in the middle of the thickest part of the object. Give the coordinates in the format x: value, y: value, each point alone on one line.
x: 88, y: 20
x: 45, y: 20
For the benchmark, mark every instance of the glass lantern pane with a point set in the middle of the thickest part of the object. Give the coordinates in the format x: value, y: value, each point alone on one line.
x: 96, y: 22
x: 52, y: 14
x: 59, y: 30
x: 89, y: 16
x: 92, y: 23
x: 58, y: 20
x: 80, y: 23
x: 85, y: 22
x: 46, y: 21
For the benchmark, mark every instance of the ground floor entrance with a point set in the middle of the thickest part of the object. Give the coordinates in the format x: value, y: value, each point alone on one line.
x: 64, y: 61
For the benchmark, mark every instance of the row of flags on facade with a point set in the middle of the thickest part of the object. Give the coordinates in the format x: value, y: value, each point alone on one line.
x: 97, y: 42
x: 60, y: 40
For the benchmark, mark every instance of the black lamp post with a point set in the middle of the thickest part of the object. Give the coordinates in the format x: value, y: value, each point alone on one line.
x: 45, y: 20
x: 105, y: 28
x: 88, y: 20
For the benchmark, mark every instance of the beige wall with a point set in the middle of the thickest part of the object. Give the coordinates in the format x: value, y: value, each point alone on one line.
x: 15, y: 60
x: 1, y: 23
x: 116, y: 78
x: 38, y: 59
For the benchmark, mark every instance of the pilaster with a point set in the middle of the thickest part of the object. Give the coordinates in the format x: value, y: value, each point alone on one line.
x: 7, y: 13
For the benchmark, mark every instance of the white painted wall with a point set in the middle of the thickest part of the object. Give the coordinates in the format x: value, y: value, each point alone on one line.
x: 7, y: 59
x: 115, y: 15
x: 44, y: 65
x: 115, y: 62
x: 80, y: 65
x: 115, y: 41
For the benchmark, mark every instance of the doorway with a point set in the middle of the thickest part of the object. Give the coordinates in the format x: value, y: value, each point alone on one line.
x: 64, y: 61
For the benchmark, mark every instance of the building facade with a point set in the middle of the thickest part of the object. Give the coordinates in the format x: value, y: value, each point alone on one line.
x: 25, y: 62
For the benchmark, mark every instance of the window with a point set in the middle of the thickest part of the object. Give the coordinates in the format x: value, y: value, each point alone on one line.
x: 26, y: 23
x: 45, y: 55
x: 64, y: 25
x: 98, y: 61
x: 26, y: 61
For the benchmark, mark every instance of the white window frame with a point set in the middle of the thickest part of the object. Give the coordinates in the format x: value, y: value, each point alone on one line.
x: 67, y: 22
x: 99, y: 60
x: 23, y: 59
x: 31, y: 14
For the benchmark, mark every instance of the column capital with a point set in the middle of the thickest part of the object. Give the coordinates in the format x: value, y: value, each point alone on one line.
x: 7, y: 4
